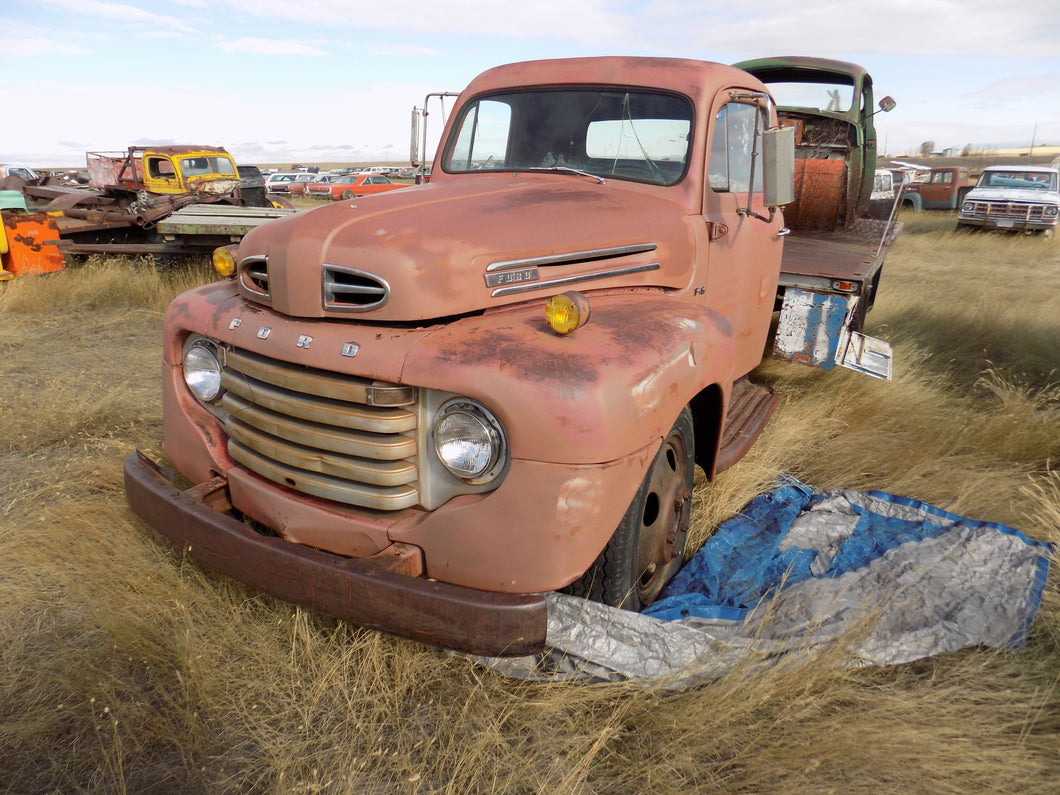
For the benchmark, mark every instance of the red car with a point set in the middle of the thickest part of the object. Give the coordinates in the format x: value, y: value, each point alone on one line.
x: 352, y: 186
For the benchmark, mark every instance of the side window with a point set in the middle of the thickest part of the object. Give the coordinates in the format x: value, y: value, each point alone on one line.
x: 160, y: 168
x: 483, y: 138
x: 732, y: 146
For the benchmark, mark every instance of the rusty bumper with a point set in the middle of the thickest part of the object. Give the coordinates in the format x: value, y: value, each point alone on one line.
x: 354, y: 590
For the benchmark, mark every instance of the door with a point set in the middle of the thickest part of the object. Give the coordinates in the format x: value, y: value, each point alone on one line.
x: 744, y: 251
x: 937, y: 194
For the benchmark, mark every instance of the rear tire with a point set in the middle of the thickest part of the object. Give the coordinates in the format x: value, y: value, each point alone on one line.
x: 647, y: 548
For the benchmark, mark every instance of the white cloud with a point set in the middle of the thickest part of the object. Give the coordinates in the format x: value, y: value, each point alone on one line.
x: 271, y: 47
x: 23, y: 41
x: 961, y: 70
x: 122, y: 13
x: 401, y: 50
x: 1030, y: 28
x: 585, y: 20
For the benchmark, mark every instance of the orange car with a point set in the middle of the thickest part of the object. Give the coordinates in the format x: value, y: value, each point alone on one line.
x: 352, y: 186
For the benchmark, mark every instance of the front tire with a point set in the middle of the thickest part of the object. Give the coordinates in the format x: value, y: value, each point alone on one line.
x: 647, y: 548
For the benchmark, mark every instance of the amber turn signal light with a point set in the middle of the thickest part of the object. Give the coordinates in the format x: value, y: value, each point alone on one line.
x: 567, y: 312
x: 224, y: 262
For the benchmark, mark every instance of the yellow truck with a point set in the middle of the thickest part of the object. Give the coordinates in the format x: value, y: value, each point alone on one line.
x: 157, y: 200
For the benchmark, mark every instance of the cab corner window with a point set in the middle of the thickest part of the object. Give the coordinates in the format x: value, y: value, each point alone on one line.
x: 482, y: 140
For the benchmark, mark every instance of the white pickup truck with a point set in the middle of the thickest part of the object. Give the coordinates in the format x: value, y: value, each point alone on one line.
x: 1013, y: 199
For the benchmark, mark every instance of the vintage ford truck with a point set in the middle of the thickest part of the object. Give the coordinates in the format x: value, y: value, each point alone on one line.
x: 424, y: 410
x: 1013, y: 199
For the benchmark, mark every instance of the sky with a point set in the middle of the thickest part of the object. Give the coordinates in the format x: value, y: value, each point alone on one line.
x: 286, y: 81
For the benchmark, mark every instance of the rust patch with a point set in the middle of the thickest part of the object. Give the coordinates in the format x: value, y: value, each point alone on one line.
x: 820, y: 188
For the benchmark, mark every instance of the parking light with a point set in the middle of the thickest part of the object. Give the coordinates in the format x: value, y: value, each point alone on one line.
x: 224, y: 261
x: 567, y: 312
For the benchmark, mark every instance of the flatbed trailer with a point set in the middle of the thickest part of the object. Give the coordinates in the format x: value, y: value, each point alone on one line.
x: 843, y: 260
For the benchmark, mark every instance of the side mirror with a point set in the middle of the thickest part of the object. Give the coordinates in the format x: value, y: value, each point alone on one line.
x: 778, y: 166
x: 887, y: 104
x: 414, y: 146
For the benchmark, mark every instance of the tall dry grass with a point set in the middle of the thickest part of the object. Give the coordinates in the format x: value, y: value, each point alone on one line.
x: 125, y: 668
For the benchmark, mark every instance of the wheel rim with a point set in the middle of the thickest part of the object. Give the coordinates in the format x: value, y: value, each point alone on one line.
x: 664, y: 518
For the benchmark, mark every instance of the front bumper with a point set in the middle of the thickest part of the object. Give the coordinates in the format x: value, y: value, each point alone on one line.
x: 351, y: 589
x: 1007, y: 224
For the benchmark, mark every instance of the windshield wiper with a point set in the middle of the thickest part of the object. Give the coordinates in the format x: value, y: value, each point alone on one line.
x: 569, y: 170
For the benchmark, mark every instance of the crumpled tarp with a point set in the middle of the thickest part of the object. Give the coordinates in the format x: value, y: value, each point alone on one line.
x: 798, y: 569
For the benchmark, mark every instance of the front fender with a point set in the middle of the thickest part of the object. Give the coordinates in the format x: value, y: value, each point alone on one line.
x: 593, y: 396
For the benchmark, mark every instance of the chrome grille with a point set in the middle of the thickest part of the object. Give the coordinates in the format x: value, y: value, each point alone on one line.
x: 1007, y: 210
x: 352, y: 290
x: 338, y: 437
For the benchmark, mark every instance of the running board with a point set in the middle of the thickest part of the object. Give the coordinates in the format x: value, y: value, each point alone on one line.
x: 750, y: 407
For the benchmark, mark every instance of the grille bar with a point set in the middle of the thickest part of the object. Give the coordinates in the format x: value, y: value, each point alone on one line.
x: 362, y: 470
x: 383, y: 447
x: 344, y: 491
x: 318, y: 382
x: 324, y: 410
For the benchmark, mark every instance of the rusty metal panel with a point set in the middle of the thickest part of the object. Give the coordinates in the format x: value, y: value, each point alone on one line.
x: 809, y: 328
x: 867, y: 355
x: 30, y: 243
x: 815, y: 329
x: 820, y: 190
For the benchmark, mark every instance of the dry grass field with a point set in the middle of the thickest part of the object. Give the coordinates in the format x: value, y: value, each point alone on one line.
x: 125, y: 668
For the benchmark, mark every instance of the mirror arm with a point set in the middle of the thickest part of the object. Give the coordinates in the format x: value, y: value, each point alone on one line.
x: 751, y: 213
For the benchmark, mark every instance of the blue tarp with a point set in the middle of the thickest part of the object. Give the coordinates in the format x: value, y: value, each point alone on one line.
x: 755, y: 555
x: 798, y: 569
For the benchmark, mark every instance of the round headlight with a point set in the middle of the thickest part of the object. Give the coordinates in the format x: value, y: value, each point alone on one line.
x: 202, y: 370
x: 1050, y: 211
x: 968, y: 206
x: 469, y: 441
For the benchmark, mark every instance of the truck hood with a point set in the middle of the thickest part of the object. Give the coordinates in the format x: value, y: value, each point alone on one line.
x: 464, y: 245
x: 1013, y: 195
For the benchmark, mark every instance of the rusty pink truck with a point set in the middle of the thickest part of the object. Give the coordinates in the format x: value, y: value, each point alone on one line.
x: 423, y: 411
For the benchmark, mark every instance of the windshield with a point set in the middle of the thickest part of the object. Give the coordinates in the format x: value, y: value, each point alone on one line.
x: 636, y: 135
x: 1031, y: 180
x: 203, y: 164
x: 829, y: 97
